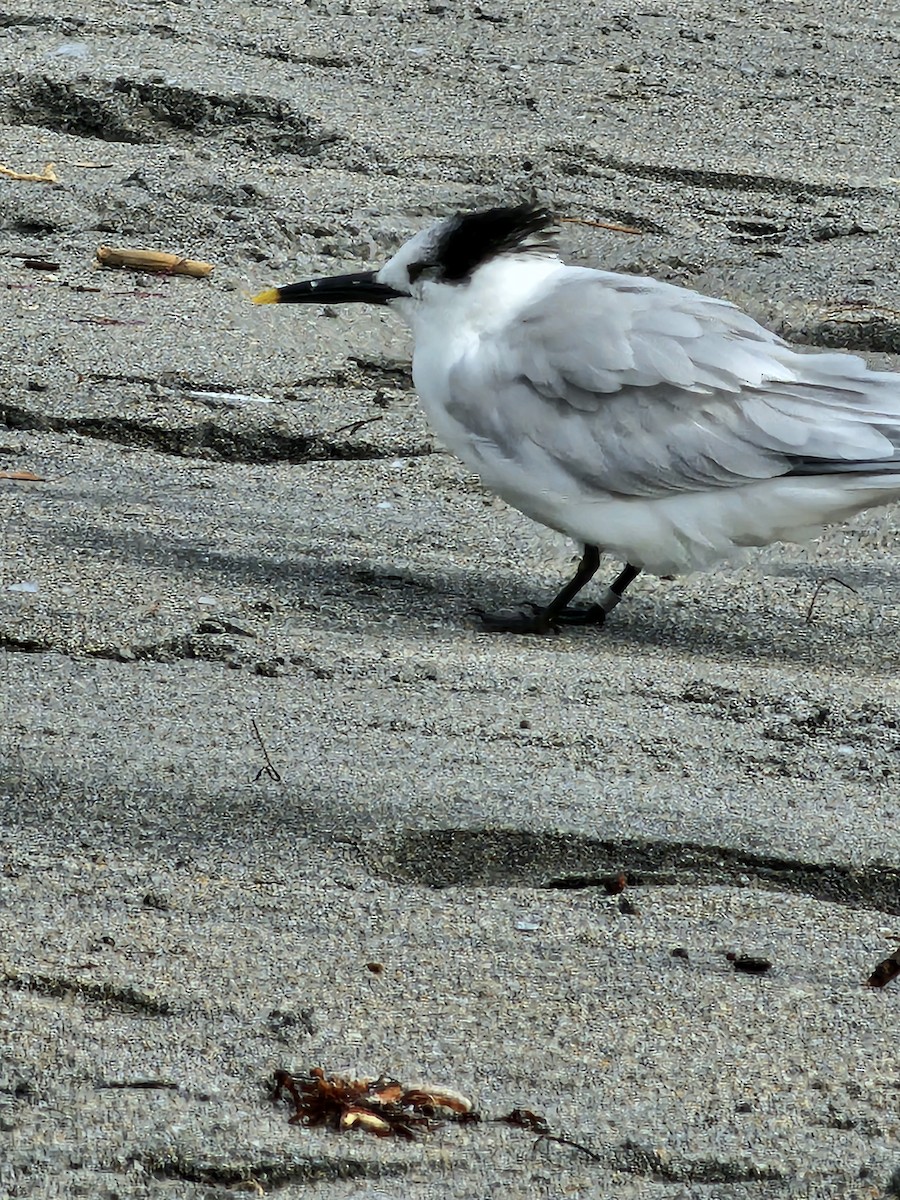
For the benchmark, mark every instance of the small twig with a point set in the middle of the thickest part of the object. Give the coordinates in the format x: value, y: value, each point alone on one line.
x: 268, y: 769
x: 821, y: 584
x: 144, y: 1085
x: 524, y: 1118
x: 103, y: 321
x: 354, y: 426
x: 152, y: 260
x: 564, y: 1141
x: 138, y: 294
x: 48, y: 175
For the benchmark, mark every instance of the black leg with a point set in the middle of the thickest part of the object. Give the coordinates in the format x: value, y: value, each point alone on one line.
x: 543, y: 620
x: 558, y: 612
x: 596, y: 614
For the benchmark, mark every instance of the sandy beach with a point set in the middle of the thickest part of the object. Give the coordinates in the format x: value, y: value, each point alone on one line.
x: 269, y: 797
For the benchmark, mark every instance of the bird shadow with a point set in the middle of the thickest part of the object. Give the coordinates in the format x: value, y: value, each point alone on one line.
x: 346, y: 591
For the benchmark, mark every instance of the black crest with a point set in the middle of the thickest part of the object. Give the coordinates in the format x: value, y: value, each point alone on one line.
x: 473, y: 238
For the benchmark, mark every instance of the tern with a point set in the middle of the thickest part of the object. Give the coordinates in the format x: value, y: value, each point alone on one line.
x: 641, y: 419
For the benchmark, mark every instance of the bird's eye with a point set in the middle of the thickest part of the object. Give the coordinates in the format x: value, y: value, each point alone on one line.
x: 415, y: 270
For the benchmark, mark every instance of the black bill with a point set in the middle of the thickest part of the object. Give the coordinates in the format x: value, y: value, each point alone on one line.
x: 360, y: 288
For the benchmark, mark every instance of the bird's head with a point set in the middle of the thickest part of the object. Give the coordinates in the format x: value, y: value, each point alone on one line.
x: 447, y: 253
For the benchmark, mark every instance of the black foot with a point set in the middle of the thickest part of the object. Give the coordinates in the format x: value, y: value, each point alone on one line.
x: 536, y: 621
x: 558, y: 612
x: 590, y: 614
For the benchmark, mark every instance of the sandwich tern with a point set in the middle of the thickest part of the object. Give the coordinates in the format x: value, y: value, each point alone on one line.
x: 644, y: 420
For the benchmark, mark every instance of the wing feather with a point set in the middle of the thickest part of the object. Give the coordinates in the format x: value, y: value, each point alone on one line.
x: 634, y: 387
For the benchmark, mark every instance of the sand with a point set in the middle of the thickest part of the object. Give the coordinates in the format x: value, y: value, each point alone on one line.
x: 243, y: 518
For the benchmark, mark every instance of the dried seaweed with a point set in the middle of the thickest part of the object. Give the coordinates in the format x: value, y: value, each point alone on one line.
x: 383, y: 1107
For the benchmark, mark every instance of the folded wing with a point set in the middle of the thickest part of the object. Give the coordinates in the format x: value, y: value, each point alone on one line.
x: 633, y: 387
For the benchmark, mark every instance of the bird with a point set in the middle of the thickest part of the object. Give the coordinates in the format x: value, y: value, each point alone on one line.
x: 644, y: 420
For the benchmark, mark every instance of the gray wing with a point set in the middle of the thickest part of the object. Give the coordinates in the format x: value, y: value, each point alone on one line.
x: 639, y: 388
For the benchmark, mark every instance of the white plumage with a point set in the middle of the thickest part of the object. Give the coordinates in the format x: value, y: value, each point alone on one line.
x: 662, y: 426
x: 655, y: 423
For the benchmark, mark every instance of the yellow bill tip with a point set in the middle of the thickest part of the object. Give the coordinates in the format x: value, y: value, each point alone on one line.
x: 269, y: 296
